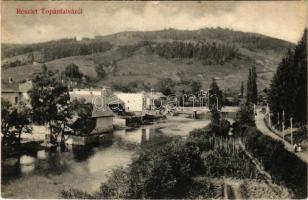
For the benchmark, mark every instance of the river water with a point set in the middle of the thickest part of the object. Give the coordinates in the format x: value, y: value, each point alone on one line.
x: 44, y: 173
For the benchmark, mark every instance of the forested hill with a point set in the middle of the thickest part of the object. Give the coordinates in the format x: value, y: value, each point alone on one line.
x: 142, y: 58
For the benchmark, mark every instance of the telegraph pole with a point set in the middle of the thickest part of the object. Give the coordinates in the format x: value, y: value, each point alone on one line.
x: 283, y: 124
x: 291, y: 130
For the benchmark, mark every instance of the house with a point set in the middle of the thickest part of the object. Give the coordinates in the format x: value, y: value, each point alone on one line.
x: 133, y: 102
x: 137, y: 102
x: 11, y: 94
x: 14, y: 92
x: 100, y: 98
x: 154, y: 99
x: 101, y: 113
x: 103, y: 121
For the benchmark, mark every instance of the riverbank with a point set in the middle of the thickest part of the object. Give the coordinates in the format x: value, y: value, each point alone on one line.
x: 44, y: 173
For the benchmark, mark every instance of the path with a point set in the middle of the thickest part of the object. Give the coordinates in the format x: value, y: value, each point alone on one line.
x: 260, y: 124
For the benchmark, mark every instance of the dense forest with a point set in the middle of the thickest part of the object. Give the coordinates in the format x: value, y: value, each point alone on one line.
x: 247, y: 40
x: 47, y: 51
x: 208, y: 53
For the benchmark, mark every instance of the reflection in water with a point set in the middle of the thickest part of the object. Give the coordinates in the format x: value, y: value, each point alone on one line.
x: 83, y: 167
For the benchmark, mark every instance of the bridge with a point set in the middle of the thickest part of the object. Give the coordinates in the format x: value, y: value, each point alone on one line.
x: 189, y: 110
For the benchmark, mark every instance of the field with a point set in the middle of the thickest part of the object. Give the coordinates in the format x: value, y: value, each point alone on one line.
x: 133, y: 62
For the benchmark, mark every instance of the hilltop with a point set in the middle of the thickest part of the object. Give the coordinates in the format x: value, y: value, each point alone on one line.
x: 146, y: 56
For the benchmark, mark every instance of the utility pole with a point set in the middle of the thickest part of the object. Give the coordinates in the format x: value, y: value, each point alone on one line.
x: 254, y: 112
x: 283, y: 124
x: 291, y: 130
x: 152, y: 101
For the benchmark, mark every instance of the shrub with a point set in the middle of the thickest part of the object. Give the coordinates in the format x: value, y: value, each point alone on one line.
x: 283, y: 165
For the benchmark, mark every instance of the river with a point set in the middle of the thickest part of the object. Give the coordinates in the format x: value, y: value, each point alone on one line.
x: 44, y: 173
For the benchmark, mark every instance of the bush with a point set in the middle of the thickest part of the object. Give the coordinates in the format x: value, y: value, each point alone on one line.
x: 155, y: 172
x: 283, y: 165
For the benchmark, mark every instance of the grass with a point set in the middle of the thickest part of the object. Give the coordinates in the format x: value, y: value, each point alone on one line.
x: 149, y: 68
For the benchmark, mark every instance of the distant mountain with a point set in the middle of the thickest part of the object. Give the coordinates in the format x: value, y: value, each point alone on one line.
x: 145, y: 57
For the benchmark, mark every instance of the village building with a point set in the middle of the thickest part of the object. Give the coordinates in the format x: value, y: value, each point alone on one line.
x: 103, y: 121
x: 133, y: 102
x: 99, y: 98
x: 14, y: 92
x: 105, y: 105
x: 138, y: 102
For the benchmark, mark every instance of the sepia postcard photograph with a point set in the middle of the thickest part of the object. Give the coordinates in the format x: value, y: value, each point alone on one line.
x: 154, y: 99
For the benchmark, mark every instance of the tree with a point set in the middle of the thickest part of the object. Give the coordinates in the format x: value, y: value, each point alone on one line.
x: 242, y: 89
x: 44, y: 69
x: 195, y: 86
x: 215, y: 96
x: 245, y: 115
x: 215, y: 120
x: 101, y: 73
x: 15, y: 120
x: 252, y: 89
x: 288, y: 89
x: 166, y: 86
x: 50, y: 103
x: 83, y: 112
x: 72, y: 71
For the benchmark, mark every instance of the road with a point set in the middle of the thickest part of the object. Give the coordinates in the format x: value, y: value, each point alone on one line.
x: 260, y: 124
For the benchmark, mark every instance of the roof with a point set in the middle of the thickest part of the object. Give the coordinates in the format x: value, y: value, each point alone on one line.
x: 105, y: 112
x: 9, y: 87
x: 91, y: 96
x: 154, y: 95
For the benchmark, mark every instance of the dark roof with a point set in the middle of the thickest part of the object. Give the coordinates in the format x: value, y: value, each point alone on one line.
x: 111, y: 98
x: 9, y: 87
x: 106, y: 112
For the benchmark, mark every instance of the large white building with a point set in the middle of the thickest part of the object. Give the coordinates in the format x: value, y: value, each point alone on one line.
x: 137, y: 102
x: 133, y: 102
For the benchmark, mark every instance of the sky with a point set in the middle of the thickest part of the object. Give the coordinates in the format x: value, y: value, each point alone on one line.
x: 283, y: 20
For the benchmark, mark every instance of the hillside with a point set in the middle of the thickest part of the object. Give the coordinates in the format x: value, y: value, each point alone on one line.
x: 145, y: 57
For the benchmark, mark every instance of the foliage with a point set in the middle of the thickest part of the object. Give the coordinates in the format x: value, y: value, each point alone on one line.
x: 195, y: 86
x: 75, y: 194
x: 215, y: 96
x: 245, y: 115
x: 52, y: 50
x: 72, y: 71
x: 215, y: 120
x: 134, y: 86
x: 224, y: 127
x: 252, y: 90
x: 166, y: 86
x: 84, y: 124
x: 208, y: 53
x: 278, y: 161
x: 15, y: 120
x: 288, y: 90
x: 155, y: 172
x: 101, y: 73
x: 50, y: 103
x: 242, y: 89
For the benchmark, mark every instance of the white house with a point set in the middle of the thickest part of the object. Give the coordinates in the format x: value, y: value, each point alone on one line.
x: 99, y: 97
x: 133, y: 102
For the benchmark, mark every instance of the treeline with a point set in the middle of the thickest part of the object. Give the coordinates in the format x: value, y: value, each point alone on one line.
x: 288, y: 90
x: 251, y: 41
x: 208, y: 53
x: 47, y: 51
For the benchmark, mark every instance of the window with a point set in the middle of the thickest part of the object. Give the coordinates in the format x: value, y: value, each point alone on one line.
x: 16, y: 100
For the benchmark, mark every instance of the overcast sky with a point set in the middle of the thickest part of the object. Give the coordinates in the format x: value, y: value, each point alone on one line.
x: 284, y: 20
